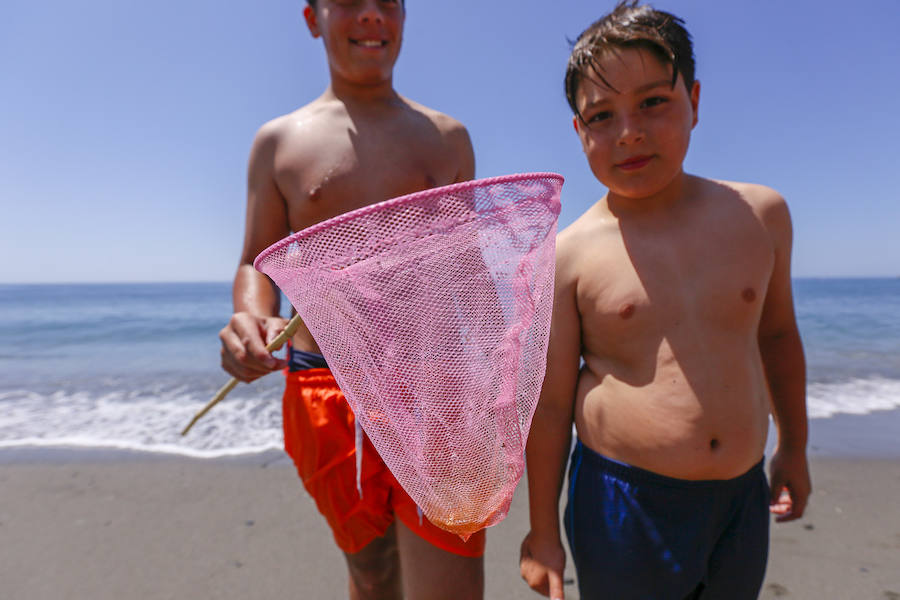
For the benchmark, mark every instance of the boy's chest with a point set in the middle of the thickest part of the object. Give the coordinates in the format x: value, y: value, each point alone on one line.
x: 712, y: 282
x: 349, y: 172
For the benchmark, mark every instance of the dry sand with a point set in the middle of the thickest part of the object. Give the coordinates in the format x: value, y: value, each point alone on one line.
x: 80, y: 526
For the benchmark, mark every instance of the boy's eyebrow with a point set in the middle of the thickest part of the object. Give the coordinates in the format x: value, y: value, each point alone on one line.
x: 654, y: 84
x: 639, y: 90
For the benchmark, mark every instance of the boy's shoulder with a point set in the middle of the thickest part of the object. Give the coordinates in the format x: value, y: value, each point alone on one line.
x: 589, y: 229
x: 766, y: 203
x: 272, y: 134
x: 315, y: 111
x: 444, y: 123
x: 452, y: 135
x: 752, y: 193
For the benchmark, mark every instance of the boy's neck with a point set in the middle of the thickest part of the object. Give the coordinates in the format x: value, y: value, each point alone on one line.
x: 362, y: 95
x: 660, y: 202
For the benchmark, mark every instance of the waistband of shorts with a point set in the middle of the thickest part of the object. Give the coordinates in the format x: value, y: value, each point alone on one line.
x: 309, y: 377
x: 630, y: 473
x: 299, y: 360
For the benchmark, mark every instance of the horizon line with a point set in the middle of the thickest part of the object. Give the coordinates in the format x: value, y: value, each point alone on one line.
x: 229, y: 281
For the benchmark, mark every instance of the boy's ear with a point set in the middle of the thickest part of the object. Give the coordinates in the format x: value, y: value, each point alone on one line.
x: 310, y: 16
x: 695, y: 101
x: 575, y: 123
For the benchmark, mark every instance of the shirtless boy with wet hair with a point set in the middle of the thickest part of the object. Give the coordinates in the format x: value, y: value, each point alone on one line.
x: 673, y: 339
x: 359, y: 143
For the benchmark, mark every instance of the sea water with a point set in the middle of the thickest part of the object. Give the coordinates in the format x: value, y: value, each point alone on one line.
x: 126, y: 366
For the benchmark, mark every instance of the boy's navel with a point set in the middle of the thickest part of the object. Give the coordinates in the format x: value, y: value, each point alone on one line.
x: 748, y: 294
x: 429, y: 182
x: 714, y: 444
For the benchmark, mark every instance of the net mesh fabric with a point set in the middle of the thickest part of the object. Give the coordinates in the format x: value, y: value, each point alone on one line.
x: 433, y: 312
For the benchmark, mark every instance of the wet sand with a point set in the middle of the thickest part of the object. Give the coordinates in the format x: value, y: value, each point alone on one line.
x: 119, y: 526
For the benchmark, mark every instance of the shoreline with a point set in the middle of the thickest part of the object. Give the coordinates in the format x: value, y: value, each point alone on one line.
x: 872, y: 435
x: 62, y: 454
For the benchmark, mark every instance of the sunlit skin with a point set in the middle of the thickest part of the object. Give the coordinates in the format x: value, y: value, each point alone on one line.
x: 359, y: 143
x: 675, y: 291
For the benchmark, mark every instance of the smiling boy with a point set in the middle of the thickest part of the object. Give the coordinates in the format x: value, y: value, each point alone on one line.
x: 673, y: 338
x: 359, y: 143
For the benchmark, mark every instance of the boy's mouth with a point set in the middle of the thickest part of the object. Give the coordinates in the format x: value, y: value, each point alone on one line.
x: 634, y: 162
x: 369, y: 43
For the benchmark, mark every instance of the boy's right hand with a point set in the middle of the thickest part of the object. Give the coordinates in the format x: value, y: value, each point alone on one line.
x: 244, y: 341
x: 541, y: 564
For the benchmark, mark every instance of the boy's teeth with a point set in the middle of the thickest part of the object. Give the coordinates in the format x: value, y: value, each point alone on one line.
x: 369, y: 43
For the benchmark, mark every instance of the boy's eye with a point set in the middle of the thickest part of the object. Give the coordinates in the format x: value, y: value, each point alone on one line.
x: 599, y: 116
x: 653, y: 101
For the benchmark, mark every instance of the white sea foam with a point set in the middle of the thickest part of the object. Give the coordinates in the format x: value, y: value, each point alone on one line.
x: 857, y: 397
x: 150, y: 422
x: 249, y: 420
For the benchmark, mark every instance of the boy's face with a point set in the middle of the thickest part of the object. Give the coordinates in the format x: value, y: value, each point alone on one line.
x: 362, y: 37
x: 635, y: 136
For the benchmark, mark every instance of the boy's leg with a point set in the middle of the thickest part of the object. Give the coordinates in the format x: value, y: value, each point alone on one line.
x: 374, y: 571
x: 435, y: 564
x: 430, y: 573
x: 737, y: 565
x: 319, y: 436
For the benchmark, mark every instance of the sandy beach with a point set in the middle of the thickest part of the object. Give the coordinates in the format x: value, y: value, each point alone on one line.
x: 100, y: 525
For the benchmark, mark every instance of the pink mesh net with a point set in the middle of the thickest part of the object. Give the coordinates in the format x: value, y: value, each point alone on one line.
x: 433, y: 312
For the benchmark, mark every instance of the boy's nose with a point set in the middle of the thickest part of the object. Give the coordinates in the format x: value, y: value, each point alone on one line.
x: 371, y: 12
x: 631, y: 131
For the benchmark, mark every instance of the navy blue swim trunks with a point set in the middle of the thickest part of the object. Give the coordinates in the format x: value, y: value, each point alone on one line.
x: 637, y: 535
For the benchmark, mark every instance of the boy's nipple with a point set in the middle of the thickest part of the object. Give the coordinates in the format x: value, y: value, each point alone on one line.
x: 748, y: 294
x: 626, y: 311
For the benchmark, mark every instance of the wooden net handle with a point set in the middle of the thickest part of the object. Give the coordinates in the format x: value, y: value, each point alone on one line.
x: 275, y: 344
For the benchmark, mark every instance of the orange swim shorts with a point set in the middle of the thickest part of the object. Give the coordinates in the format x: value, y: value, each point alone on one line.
x: 319, y: 435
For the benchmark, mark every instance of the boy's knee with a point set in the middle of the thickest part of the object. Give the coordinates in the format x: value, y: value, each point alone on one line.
x: 375, y: 570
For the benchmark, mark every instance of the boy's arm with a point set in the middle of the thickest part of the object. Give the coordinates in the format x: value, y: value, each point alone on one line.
x: 462, y: 143
x: 782, y: 355
x: 542, y: 557
x: 256, y: 299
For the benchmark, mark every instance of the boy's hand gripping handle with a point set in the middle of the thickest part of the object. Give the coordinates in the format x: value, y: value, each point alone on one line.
x: 275, y: 344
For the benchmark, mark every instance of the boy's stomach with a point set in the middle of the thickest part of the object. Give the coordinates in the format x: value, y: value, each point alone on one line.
x: 699, y: 428
x: 303, y: 339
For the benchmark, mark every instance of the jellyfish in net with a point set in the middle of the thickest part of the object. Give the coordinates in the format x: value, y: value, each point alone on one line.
x: 433, y: 313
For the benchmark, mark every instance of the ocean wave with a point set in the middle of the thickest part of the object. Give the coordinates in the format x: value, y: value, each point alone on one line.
x: 150, y: 418
x: 856, y: 396
x: 247, y: 422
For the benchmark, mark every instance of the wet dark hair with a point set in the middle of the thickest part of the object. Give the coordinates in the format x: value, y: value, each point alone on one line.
x: 630, y: 25
x: 312, y: 3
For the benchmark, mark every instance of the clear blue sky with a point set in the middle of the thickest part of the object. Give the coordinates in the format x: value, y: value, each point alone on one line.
x: 126, y: 125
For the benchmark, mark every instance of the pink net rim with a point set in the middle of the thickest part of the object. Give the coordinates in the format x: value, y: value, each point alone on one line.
x: 400, y: 200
